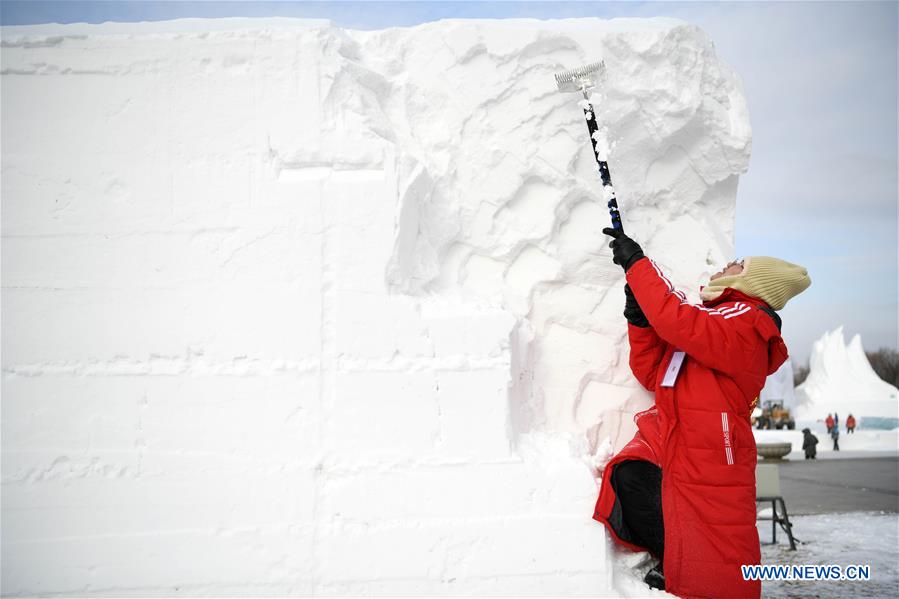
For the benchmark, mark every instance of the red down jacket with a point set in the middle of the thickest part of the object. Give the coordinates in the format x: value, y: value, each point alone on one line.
x: 698, y: 432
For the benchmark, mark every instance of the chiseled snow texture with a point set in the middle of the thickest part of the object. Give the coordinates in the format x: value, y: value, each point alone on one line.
x: 841, y: 380
x: 295, y: 310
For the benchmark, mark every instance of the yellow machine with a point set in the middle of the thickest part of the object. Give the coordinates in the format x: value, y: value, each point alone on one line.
x: 773, y: 415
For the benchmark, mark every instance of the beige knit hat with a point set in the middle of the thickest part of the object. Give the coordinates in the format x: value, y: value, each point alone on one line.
x: 769, y: 279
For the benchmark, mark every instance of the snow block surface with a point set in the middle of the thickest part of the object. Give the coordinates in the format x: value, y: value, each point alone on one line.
x: 779, y: 387
x: 293, y: 310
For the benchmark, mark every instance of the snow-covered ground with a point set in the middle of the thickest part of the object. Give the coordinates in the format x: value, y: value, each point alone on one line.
x: 628, y: 571
x: 861, y: 443
x: 855, y: 538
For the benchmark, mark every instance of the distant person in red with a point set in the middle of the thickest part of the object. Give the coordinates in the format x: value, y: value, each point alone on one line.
x: 850, y: 424
x: 684, y: 487
x: 829, y: 423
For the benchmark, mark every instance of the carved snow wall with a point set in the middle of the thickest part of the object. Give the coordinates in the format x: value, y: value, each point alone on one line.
x: 295, y: 310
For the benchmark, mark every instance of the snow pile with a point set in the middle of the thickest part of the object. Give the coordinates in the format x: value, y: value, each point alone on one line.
x: 300, y: 310
x: 629, y: 568
x: 841, y: 380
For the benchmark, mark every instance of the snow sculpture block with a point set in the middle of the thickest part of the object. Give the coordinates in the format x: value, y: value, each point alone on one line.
x: 500, y: 199
x: 332, y: 308
x: 779, y: 387
x: 841, y: 380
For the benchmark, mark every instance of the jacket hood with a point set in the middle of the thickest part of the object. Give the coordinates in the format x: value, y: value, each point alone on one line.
x: 768, y: 328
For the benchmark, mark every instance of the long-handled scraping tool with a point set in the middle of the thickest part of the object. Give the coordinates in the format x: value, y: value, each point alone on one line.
x: 583, y: 80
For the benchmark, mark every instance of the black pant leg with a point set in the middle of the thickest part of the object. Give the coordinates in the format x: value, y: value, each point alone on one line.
x: 638, y: 485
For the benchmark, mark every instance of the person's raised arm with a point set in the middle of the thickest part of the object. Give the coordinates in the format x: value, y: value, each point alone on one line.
x: 722, y: 339
x: 647, y: 349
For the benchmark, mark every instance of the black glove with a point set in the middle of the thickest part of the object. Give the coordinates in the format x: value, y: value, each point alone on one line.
x: 632, y: 310
x: 625, y: 251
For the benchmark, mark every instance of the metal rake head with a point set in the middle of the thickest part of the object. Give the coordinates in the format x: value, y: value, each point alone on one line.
x: 581, y: 78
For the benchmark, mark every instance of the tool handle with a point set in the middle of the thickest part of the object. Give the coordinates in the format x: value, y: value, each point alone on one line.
x: 604, y: 174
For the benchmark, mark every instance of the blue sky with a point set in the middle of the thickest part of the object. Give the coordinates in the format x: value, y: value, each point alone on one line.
x: 821, y: 81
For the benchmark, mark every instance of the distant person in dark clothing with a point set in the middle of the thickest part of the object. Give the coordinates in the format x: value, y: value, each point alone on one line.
x: 829, y: 422
x: 850, y: 424
x: 836, y: 420
x: 835, y: 435
x: 809, y: 444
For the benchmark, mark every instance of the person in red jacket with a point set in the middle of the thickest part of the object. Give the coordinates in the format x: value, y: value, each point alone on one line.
x: 828, y: 422
x: 850, y: 424
x: 684, y: 487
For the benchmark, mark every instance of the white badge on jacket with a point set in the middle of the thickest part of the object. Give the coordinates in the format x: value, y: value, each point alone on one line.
x: 677, y: 360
